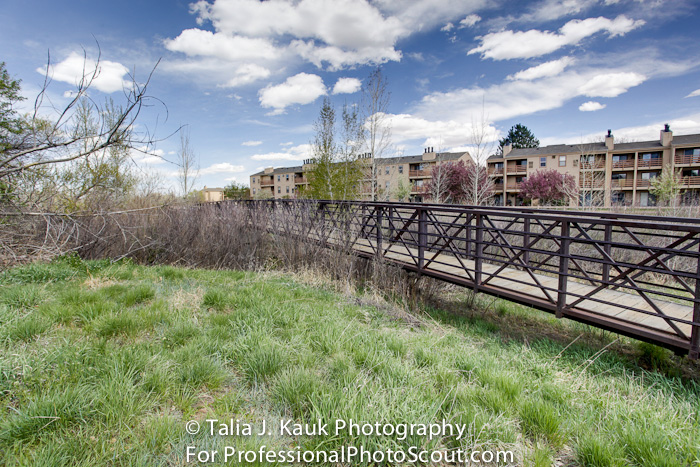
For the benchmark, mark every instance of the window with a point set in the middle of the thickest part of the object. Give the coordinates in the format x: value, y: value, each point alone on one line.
x: 254, y: 190
x: 386, y: 170
x: 562, y: 161
x: 287, y: 176
x: 650, y: 155
x: 543, y: 162
x: 401, y: 169
x: 691, y: 173
x: 692, y: 152
x: 279, y: 189
x: 387, y: 185
x: 618, y: 158
x: 575, y: 162
x: 278, y: 178
x: 649, y: 175
x: 287, y: 189
x: 253, y: 179
x: 529, y: 164
x: 619, y: 176
x: 617, y: 197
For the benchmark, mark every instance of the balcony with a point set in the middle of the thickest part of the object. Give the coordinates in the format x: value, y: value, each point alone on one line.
x: 687, y: 160
x: 267, y: 182
x: 644, y: 163
x: 625, y: 164
x: 644, y: 183
x: 495, y: 171
x: 689, y: 181
x: 623, y: 183
x: 594, y: 184
x: 597, y: 165
x: 300, y: 180
x: 419, y: 173
x: 514, y: 185
x: 498, y: 186
x: 419, y: 189
x: 517, y: 169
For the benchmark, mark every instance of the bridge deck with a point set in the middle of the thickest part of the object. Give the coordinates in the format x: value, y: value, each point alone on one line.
x: 524, y: 283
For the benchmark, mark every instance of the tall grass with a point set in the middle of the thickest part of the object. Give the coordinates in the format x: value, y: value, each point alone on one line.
x: 105, y: 366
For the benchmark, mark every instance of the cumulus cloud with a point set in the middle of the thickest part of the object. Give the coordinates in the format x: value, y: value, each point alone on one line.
x: 347, y: 86
x: 505, y: 45
x: 611, y: 84
x: 591, y: 106
x: 251, y: 143
x: 223, y: 167
x: 552, y: 68
x: 524, y: 97
x: 335, y: 34
x: 76, y: 67
x: 296, y: 153
x: 694, y: 93
x: 442, y: 134
x: 303, y: 88
x: 469, y: 21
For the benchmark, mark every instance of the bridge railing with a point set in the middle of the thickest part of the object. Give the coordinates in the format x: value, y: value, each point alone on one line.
x: 634, y: 274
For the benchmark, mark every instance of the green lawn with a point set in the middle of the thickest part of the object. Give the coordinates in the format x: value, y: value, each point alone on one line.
x: 103, y: 364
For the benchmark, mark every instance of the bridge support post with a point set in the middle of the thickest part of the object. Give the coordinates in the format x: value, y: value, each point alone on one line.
x: 607, y: 248
x: 422, y: 237
x: 694, y: 353
x: 479, y: 251
x: 563, y: 268
x: 378, y: 222
x: 526, y: 241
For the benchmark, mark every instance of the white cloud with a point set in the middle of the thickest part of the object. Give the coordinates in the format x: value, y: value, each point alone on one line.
x: 447, y: 28
x: 694, y: 93
x: 552, y: 68
x: 439, y: 134
x: 223, y: 167
x: 347, y: 86
x: 469, y: 21
x: 611, y: 84
x: 251, y: 143
x: 505, y: 45
x: 296, y: 153
x: 288, y: 143
x: 197, y: 42
x: 246, y: 74
x: 514, y: 98
x: 302, y: 88
x: 591, y: 106
x: 76, y: 67
x: 686, y: 125
x: 145, y: 156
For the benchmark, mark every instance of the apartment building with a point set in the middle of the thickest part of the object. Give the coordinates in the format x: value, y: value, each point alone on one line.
x: 413, y: 172
x: 607, y: 174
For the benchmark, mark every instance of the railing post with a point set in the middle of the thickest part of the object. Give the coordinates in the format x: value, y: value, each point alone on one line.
x: 694, y: 352
x: 607, y: 248
x: 563, y: 268
x: 526, y: 241
x: 422, y: 237
x: 479, y: 251
x: 468, y: 237
x: 378, y: 222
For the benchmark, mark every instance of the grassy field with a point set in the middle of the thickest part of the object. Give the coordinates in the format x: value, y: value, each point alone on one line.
x: 104, y: 363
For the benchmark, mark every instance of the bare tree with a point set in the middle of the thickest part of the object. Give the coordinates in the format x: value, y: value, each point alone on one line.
x: 483, y: 143
x: 591, y: 175
x: 439, y: 184
x: 375, y: 105
x: 46, y: 141
x: 90, y: 139
x: 187, y: 162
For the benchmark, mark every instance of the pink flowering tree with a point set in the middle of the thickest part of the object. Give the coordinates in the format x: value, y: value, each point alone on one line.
x: 550, y: 187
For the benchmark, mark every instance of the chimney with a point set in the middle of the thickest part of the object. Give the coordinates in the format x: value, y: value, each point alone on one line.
x: 666, y: 135
x: 507, y: 148
x: 610, y: 141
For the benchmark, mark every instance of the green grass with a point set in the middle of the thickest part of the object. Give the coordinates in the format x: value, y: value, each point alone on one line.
x: 103, y: 364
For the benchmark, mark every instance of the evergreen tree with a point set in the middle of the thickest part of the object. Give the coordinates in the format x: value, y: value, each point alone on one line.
x: 519, y: 136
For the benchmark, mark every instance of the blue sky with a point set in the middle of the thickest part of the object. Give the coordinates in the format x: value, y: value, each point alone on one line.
x: 247, y: 77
